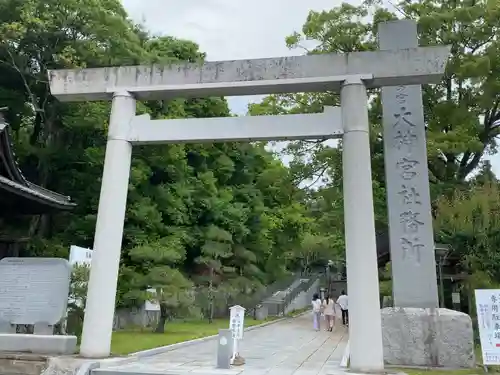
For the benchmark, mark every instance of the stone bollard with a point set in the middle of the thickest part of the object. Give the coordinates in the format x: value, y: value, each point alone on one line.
x: 224, y: 349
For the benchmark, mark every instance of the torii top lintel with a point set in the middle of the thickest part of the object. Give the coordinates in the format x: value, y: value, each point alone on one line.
x: 311, y: 73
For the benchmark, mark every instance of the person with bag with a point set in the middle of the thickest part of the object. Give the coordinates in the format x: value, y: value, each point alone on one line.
x: 329, y: 312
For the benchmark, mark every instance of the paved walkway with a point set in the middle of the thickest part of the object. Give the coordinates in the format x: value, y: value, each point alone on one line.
x: 290, y: 347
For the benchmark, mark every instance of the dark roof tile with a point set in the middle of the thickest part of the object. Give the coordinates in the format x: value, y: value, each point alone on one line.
x: 13, y: 180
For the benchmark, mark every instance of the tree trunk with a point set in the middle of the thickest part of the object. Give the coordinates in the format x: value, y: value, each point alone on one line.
x: 160, y: 328
x: 211, y: 312
x: 211, y: 298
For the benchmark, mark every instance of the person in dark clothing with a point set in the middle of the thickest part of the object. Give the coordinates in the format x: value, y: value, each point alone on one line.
x: 342, y: 301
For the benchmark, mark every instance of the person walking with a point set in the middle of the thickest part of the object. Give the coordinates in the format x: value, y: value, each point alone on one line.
x: 329, y: 312
x: 316, y: 308
x: 343, y: 302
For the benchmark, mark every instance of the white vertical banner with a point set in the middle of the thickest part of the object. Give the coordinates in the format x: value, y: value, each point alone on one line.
x: 236, y: 325
x: 488, y: 322
x: 152, y: 305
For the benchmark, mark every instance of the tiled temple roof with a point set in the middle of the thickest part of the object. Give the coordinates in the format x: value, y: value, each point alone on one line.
x: 16, y: 192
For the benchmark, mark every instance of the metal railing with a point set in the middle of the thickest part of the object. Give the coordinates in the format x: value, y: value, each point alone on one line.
x: 268, y: 292
x: 277, y: 306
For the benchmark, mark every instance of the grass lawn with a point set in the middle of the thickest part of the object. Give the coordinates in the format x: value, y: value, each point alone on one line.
x: 294, y: 313
x: 130, y: 341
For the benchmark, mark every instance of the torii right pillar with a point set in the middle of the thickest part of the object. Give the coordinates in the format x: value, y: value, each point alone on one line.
x: 416, y: 332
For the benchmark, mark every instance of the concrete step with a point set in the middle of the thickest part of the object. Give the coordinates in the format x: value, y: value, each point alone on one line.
x: 22, y: 363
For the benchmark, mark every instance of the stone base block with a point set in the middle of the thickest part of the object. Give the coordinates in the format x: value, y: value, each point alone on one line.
x: 427, y: 337
x: 37, y: 344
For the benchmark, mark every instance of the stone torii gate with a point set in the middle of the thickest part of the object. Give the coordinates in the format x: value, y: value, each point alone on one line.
x: 350, y: 74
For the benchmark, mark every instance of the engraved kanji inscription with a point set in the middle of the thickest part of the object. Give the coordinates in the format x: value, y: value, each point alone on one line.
x: 403, y: 118
x: 405, y: 132
x: 410, y: 221
x: 411, y: 247
x: 405, y: 138
x: 401, y: 95
x: 408, y: 168
x: 409, y: 195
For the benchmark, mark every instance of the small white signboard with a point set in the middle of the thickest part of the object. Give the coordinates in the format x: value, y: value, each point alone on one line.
x: 152, y: 305
x: 488, y: 321
x: 236, y: 321
x: 80, y: 255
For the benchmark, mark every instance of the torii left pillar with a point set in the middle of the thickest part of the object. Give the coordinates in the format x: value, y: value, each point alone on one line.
x: 96, y: 342
x: 359, y: 221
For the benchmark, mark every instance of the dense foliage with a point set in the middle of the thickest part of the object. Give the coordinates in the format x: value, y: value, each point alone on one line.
x: 227, y: 219
x: 460, y: 113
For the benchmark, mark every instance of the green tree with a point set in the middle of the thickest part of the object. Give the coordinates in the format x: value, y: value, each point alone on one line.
x: 469, y: 222
x: 217, y: 248
x: 459, y: 112
x: 230, y: 208
x: 77, y: 299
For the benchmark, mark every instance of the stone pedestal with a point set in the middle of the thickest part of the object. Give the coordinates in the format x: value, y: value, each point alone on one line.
x: 37, y: 344
x: 427, y: 337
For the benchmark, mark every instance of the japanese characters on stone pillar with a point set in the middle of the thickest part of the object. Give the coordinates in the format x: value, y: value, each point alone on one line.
x: 408, y: 198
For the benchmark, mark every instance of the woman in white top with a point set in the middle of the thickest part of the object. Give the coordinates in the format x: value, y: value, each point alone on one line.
x: 329, y: 312
x: 316, y: 308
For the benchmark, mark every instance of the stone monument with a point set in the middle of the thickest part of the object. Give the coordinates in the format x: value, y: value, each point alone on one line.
x: 34, y: 291
x: 415, y: 331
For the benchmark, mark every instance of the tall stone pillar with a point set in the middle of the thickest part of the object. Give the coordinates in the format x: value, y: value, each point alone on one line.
x: 361, y: 253
x: 415, y: 332
x: 408, y: 199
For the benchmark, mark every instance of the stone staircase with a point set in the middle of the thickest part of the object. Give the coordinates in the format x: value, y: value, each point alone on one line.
x: 296, y: 297
x: 275, y: 288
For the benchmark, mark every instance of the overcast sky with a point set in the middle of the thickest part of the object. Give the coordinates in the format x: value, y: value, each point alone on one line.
x: 233, y: 29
